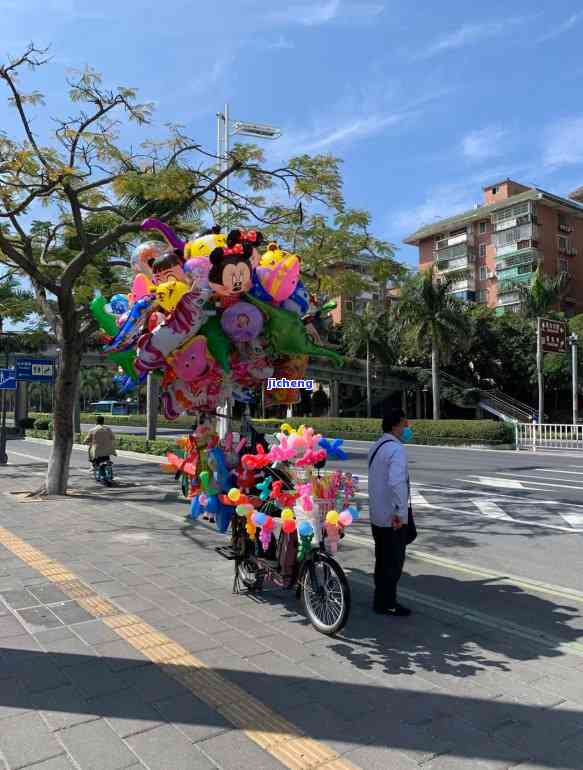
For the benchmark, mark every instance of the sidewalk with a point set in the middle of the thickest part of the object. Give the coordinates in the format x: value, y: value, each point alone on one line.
x: 122, y: 646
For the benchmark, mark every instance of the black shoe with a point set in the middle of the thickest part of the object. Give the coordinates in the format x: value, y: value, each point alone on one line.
x: 400, y: 611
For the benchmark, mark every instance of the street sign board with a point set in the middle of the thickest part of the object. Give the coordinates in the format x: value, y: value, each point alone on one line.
x: 7, y: 379
x: 35, y: 369
x: 553, y: 336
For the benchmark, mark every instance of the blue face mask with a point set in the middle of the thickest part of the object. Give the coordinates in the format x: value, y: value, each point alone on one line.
x: 407, y: 435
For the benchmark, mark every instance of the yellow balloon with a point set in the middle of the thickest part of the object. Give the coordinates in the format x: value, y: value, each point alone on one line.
x: 332, y: 517
x: 287, y: 514
x: 202, y: 247
x: 234, y: 494
x: 169, y: 294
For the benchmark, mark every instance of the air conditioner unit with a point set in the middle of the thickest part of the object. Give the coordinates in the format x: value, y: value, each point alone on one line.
x: 491, y: 274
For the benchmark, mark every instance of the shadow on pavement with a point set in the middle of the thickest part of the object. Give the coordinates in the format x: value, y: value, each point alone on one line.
x: 348, y: 716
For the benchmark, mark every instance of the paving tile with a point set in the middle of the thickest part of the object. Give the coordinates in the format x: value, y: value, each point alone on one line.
x: 62, y: 707
x: 119, y: 655
x: 95, y: 746
x: 94, y: 678
x: 62, y: 762
x: 14, y: 699
x: 48, y: 593
x: 54, y: 635
x: 235, y: 751
x: 192, y: 717
x: 26, y: 739
x: 194, y: 640
x: 381, y: 758
x: 165, y: 747
x: 152, y: 684
x: 13, y: 646
x: 39, y: 619
x: 203, y: 621
x: 19, y: 600
x: 95, y: 632
x: 40, y: 673
x: 70, y: 613
x: 161, y: 620
x: 9, y: 626
x: 125, y: 712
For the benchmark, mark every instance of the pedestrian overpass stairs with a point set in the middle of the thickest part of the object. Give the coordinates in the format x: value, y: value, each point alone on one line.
x: 495, y: 402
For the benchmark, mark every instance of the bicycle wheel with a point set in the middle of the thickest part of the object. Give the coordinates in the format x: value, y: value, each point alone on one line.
x: 249, y: 574
x: 325, y: 594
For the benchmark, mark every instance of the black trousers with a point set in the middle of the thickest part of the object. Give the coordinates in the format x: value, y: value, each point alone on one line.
x: 390, y: 545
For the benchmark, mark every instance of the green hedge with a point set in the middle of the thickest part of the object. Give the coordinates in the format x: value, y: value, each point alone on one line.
x: 123, y: 441
x: 438, y: 432
x: 131, y: 420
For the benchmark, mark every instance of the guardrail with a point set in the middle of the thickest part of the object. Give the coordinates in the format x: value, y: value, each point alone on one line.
x: 555, y: 436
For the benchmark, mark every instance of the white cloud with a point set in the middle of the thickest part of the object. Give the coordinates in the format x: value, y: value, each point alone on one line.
x: 560, y: 29
x: 564, y: 143
x: 468, y: 34
x: 313, y: 14
x: 484, y: 143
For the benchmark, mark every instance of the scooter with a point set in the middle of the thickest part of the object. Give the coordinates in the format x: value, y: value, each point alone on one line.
x: 103, y: 471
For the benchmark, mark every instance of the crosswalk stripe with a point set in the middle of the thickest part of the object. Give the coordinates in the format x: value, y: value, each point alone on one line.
x: 490, y: 481
x: 554, y: 470
x: 418, y: 499
x: 574, y: 519
x: 491, y: 510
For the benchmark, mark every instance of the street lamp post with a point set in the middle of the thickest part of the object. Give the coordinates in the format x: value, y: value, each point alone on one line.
x: 3, y: 406
x: 573, y: 339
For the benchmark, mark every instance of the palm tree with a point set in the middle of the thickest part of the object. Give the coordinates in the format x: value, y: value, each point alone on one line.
x: 368, y: 333
x: 540, y: 296
x: 95, y: 382
x: 427, y: 310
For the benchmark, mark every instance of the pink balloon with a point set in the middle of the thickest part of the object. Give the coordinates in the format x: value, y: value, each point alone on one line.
x: 345, y: 518
x: 140, y: 286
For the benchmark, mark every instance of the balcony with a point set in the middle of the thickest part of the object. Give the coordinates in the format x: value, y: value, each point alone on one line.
x: 468, y: 284
x: 511, y: 298
x: 525, y: 256
x: 453, y: 240
x: 454, y: 265
x: 509, y: 283
x: 513, y: 235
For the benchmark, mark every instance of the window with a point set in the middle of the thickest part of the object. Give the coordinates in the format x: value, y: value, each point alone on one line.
x: 563, y: 266
x: 494, y: 190
x: 483, y: 295
x: 483, y: 273
x: 483, y: 227
x: 482, y: 250
x: 562, y: 244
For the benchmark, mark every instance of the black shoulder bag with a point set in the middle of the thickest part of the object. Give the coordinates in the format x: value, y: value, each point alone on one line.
x: 411, y: 527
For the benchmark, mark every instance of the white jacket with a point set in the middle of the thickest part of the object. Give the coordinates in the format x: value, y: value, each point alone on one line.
x: 388, y: 482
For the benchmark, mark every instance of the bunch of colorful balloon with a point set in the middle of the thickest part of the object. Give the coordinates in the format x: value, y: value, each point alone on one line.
x: 215, y: 316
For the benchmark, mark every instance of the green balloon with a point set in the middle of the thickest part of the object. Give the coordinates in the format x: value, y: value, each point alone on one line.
x: 219, y: 344
x: 108, y: 325
x: 287, y: 334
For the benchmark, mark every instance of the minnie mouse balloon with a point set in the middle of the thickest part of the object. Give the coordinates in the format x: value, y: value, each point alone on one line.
x: 242, y: 322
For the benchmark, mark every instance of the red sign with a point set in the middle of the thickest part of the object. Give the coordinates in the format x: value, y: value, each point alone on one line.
x: 553, y: 335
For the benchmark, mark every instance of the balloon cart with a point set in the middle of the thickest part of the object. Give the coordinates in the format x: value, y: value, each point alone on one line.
x: 222, y: 318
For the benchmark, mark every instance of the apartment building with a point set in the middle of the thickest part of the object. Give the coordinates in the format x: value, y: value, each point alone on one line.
x: 377, y: 294
x: 491, y: 250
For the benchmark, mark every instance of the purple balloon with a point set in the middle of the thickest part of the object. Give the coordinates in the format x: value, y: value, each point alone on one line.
x: 242, y: 322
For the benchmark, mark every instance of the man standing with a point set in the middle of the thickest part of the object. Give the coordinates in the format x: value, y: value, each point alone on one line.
x: 388, y: 489
x: 101, y: 440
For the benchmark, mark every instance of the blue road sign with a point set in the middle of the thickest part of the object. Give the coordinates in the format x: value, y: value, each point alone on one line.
x: 7, y: 379
x: 35, y: 369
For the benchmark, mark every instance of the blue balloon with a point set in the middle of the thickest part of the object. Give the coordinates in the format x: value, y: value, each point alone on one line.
x: 119, y: 304
x: 223, y: 516
x: 298, y: 301
x: 260, y: 519
x: 305, y: 529
x: 132, y: 328
x: 258, y: 291
x: 354, y: 511
x: 334, y: 448
x: 195, y: 508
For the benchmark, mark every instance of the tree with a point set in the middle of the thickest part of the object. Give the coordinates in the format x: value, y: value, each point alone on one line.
x: 95, y: 383
x: 329, y: 247
x: 97, y: 194
x: 369, y: 333
x: 429, y: 314
x: 543, y: 294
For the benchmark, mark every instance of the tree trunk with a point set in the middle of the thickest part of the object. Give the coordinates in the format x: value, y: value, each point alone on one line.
x: 66, y: 396
x: 435, y: 381
x: 152, y: 405
x: 368, y: 382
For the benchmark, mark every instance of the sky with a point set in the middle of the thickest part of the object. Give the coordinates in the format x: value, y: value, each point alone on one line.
x: 424, y: 102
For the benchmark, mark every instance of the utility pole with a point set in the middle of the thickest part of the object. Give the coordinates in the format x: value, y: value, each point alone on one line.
x: 540, y: 372
x: 574, y: 339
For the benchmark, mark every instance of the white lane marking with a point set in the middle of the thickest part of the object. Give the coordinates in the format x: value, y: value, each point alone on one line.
x: 494, y: 481
x: 418, y: 499
x: 567, y: 483
x: 552, y: 470
x: 546, y: 484
x: 574, y: 519
x: 491, y: 510
x: 28, y: 457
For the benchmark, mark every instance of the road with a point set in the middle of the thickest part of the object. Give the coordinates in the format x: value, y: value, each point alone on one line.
x: 503, y: 511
